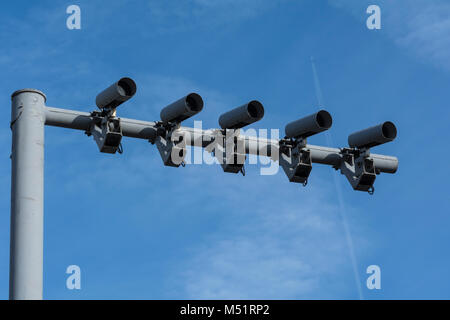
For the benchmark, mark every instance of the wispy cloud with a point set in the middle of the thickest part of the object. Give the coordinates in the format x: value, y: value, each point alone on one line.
x: 426, y: 30
x: 281, y: 243
x: 421, y: 27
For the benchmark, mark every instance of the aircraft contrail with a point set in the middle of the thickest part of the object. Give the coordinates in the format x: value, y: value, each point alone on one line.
x: 337, y: 184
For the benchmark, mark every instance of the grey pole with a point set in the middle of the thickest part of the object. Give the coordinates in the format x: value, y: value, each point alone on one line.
x: 27, y: 195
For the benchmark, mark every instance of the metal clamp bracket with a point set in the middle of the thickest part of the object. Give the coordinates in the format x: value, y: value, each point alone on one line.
x: 107, y: 131
x: 230, y: 151
x: 295, y: 159
x: 170, y: 143
x: 359, y: 169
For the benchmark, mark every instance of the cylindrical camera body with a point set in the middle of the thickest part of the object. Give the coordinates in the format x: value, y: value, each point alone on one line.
x: 310, y: 125
x: 116, y: 94
x: 373, y: 136
x: 242, y: 116
x: 182, y: 109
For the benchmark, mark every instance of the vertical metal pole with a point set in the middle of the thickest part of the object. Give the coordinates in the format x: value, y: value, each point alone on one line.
x: 27, y: 195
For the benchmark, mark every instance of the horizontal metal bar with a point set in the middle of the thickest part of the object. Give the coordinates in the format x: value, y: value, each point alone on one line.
x: 82, y: 121
x: 198, y: 137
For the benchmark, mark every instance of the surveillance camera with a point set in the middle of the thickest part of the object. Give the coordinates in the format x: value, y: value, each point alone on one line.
x: 310, y: 125
x: 182, y: 109
x: 242, y: 116
x: 373, y: 136
x: 116, y: 94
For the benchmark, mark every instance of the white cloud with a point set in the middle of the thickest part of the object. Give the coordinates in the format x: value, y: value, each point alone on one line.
x: 281, y: 243
x: 422, y: 27
x: 426, y: 30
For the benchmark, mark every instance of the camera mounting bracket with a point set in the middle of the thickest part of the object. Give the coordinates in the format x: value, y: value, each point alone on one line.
x: 359, y: 169
x: 170, y: 143
x: 106, y: 131
x: 295, y: 159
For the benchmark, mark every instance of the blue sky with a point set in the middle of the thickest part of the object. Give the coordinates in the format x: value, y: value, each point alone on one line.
x: 138, y: 229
